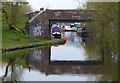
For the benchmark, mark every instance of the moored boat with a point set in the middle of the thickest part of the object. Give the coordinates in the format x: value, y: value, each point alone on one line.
x: 56, y: 31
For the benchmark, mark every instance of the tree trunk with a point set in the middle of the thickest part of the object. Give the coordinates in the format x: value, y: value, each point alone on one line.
x: 11, y: 26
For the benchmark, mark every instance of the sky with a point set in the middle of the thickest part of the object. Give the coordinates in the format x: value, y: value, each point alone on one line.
x: 54, y: 4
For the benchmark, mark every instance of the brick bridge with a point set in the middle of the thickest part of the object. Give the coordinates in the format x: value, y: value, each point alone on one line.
x: 40, y: 25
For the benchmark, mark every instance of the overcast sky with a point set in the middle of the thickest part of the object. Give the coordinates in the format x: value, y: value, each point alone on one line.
x: 54, y: 4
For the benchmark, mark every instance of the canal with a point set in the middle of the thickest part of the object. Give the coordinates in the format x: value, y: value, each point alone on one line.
x: 79, y: 59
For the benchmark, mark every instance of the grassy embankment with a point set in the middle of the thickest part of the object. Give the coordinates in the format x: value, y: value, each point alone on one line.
x: 20, y: 55
x: 12, y: 38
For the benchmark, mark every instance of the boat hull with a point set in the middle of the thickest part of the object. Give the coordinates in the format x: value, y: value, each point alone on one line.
x: 58, y: 36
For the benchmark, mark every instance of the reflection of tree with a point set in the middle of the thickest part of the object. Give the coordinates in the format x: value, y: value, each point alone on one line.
x: 14, y: 69
x: 109, y: 70
x: 92, y: 50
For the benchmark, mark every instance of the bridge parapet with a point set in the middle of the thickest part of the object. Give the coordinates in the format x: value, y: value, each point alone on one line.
x: 67, y: 14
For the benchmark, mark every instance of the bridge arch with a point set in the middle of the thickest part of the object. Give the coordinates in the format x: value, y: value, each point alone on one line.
x: 39, y: 25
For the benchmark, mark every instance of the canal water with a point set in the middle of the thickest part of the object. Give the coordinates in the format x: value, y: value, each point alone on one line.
x: 79, y: 59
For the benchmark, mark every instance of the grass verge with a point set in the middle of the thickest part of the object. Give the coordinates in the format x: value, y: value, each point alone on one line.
x: 13, y: 38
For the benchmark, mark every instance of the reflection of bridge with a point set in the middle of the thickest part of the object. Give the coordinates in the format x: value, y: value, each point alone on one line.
x: 40, y: 60
x: 76, y: 62
x: 39, y: 26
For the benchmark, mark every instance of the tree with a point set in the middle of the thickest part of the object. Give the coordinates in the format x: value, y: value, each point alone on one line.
x: 14, y: 11
x: 105, y: 25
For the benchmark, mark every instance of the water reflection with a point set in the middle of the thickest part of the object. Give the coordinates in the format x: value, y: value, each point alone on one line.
x: 69, y: 62
x: 43, y: 64
x: 73, y: 50
x: 38, y: 58
x: 12, y: 71
x: 47, y: 70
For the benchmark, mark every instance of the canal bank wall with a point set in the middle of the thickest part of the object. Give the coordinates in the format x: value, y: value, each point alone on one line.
x: 35, y: 44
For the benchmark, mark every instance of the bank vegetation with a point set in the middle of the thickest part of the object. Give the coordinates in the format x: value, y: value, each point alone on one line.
x: 104, y: 28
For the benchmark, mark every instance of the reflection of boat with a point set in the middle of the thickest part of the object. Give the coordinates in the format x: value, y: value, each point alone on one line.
x: 67, y: 41
x: 56, y: 31
x: 84, y: 34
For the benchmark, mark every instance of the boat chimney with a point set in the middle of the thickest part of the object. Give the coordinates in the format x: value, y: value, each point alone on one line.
x: 41, y: 9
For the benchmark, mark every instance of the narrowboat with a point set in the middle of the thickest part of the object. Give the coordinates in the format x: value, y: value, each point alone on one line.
x: 56, y: 31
